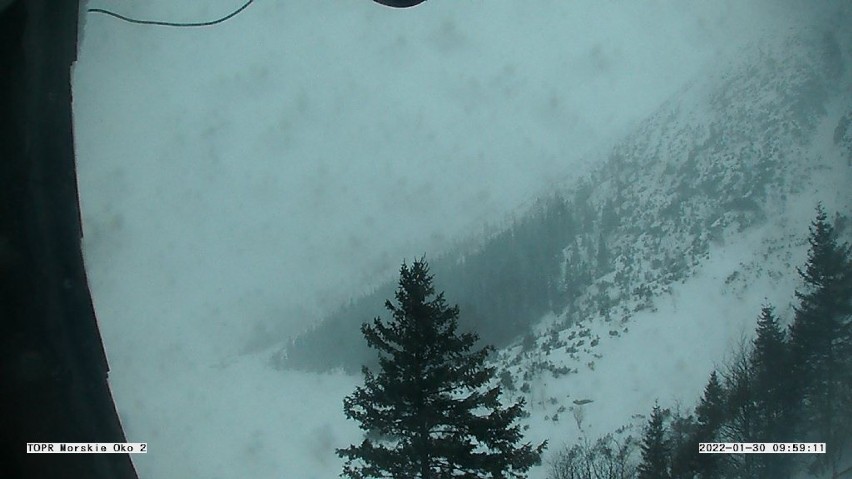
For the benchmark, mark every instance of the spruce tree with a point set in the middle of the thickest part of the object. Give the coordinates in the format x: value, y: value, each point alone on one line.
x: 655, y: 448
x: 683, y: 444
x: 711, y: 408
x: 820, y: 340
x: 774, y: 403
x: 429, y: 405
x: 771, y: 372
x: 710, y: 414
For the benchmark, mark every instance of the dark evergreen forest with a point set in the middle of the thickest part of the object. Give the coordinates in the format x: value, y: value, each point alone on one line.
x: 504, y: 284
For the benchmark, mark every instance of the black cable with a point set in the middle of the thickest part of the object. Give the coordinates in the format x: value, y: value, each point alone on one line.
x: 171, y: 24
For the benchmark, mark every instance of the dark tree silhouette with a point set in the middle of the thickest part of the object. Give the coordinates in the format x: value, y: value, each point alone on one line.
x: 429, y: 409
x: 606, y: 458
x: 710, y: 414
x: 771, y: 367
x: 504, y: 283
x: 820, y: 341
x: 655, y: 448
x: 711, y: 409
x: 683, y: 444
x: 775, y: 411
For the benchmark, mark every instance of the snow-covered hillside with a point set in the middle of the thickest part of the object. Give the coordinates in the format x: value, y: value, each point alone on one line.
x: 239, y: 198
x: 709, y: 202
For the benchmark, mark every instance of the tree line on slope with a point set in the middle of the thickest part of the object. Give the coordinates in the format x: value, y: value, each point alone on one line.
x: 792, y: 385
x: 546, y: 261
x: 511, y: 280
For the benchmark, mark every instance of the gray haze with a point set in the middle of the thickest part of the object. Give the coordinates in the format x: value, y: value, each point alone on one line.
x: 269, y: 168
x: 239, y: 182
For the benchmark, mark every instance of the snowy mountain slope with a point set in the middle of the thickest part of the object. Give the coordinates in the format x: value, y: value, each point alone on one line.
x: 712, y: 198
x: 703, y: 211
x: 286, y: 146
x: 725, y: 152
x: 708, y: 203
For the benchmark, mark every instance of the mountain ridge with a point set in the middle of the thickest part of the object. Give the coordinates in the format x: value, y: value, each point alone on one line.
x: 725, y: 153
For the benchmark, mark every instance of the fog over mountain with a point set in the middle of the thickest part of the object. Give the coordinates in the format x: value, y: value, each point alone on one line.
x: 239, y: 184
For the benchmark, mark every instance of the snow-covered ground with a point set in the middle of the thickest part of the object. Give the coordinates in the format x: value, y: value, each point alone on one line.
x: 665, y: 353
x: 238, y: 182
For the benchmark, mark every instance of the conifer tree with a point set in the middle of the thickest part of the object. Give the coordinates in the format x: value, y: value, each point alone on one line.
x: 655, y: 448
x: 711, y: 409
x: 771, y: 372
x: 710, y: 414
x: 774, y: 403
x: 429, y: 404
x: 683, y: 444
x: 820, y: 340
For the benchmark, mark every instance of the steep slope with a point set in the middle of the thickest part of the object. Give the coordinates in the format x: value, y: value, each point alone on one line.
x: 735, y: 150
x: 704, y: 212
x: 734, y: 156
x: 695, y: 219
